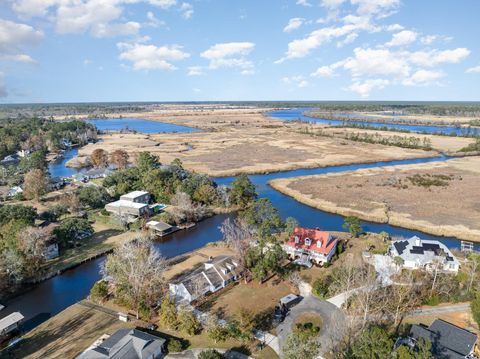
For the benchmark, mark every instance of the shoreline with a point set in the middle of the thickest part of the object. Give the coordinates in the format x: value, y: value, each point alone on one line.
x: 396, y: 219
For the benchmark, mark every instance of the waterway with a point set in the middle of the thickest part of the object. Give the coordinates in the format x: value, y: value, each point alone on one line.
x: 138, y: 125
x: 297, y: 114
x: 51, y: 296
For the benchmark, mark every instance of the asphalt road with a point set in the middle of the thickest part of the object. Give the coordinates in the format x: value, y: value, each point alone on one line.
x: 332, y: 321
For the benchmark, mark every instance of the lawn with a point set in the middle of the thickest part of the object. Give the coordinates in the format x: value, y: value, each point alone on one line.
x: 104, y: 239
x: 259, y: 298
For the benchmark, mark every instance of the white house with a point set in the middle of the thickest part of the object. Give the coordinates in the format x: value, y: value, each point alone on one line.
x: 419, y: 253
x: 214, y: 275
x: 133, y: 205
x: 10, y: 323
x: 310, y: 245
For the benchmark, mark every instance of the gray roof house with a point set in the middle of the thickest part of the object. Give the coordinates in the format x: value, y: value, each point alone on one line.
x: 212, y: 276
x: 10, y: 323
x: 133, y: 204
x: 160, y: 228
x: 448, y: 340
x: 422, y: 254
x: 127, y: 344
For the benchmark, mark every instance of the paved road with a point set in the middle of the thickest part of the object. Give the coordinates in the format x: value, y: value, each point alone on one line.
x: 461, y: 307
x: 332, y: 321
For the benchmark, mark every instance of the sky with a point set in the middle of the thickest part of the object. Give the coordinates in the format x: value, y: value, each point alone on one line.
x: 236, y: 50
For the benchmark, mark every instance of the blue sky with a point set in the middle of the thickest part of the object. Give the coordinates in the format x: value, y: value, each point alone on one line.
x: 175, y: 50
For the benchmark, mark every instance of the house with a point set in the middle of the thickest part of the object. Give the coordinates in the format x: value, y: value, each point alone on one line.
x: 10, y: 160
x: 160, y: 228
x: 12, y: 192
x: 311, y: 245
x: 10, y: 323
x: 132, y: 205
x: 448, y: 340
x: 23, y: 153
x: 51, y: 249
x: 212, y: 276
x: 127, y: 344
x: 137, y: 197
x: 419, y: 253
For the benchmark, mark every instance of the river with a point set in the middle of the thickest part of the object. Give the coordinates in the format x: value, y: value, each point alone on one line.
x: 298, y: 114
x: 51, y: 296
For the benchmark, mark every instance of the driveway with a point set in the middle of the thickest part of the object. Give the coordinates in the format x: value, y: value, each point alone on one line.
x: 332, y: 321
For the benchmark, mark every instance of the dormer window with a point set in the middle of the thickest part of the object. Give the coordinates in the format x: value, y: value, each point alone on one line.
x: 308, y: 241
x: 297, y: 239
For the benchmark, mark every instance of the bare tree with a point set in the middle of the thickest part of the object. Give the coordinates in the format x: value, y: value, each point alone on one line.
x: 136, y: 269
x: 35, y: 184
x: 472, y: 264
x: 33, y: 242
x: 99, y: 157
x: 238, y: 235
x: 119, y: 158
x: 72, y: 202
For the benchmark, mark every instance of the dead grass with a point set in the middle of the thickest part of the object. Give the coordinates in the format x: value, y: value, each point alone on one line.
x: 461, y: 319
x: 250, y: 148
x: 386, y: 195
x: 68, y: 333
x: 259, y: 298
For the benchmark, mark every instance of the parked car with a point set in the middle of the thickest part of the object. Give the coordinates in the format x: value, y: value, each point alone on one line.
x: 283, y: 307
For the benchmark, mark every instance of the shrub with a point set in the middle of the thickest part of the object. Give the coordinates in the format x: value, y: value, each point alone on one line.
x: 210, y: 354
x: 174, y: 346
x: 99, y: 290
x: 105, y: 213
x: 320, y: 287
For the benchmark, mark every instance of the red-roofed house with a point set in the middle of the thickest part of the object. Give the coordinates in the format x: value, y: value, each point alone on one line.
x: 311, y: 245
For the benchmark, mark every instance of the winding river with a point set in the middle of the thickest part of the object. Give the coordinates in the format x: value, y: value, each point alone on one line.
x: 297, y: 114
x: 51, y: 296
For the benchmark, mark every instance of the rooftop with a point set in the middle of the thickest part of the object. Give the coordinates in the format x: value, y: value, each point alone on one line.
x: 158, y: 225
x: 448, y: 340
x: 9, y: 320
x: 126, y: 344
x: 312, y: 239
x: 125, y: 203
x: 418, y: 249
x: 134, y: 194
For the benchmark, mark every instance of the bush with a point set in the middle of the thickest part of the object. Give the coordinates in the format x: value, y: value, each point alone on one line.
x: 93, y: 196
x: 105, y: 213
x: 188, y: 323
x: 99, y: 290
x: 210, y: 354
x: 174, y: 346
x: 320, y: 287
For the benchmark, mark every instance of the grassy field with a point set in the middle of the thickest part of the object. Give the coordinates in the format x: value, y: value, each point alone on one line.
x: 248, y: 142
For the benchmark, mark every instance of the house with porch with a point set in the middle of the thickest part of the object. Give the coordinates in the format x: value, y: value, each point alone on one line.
x: 311, y: 246
x: 417, y: 253
x: 212, y: 276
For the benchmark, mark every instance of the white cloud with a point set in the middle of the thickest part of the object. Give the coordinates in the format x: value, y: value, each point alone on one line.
x: 195, y: 71
x: 348, y: 39
x: 331, y: 4
x: 294, y: 24
x: 87, y: 62
x: 99, y: 17
x: 304, y: 3
x: 325, y: 71
x: 153, y: 21
x: 394, y: 27
x: 364, y: 88
x: 377, y: 8
x: 423, y: 78
x: 187, y: 10
x: 151, y: 57
x: 376, y: 62
x: 437, y: 57
x: 14, y: 37
x: 230, y: 54
x: 473, y: 70
x: 298, y: 81
x: 402, y: 38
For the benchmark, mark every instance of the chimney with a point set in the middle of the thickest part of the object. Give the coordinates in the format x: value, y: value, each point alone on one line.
x: 418, y: 242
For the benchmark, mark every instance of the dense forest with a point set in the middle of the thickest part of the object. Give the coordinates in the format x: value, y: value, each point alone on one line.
x: 35, y: 134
